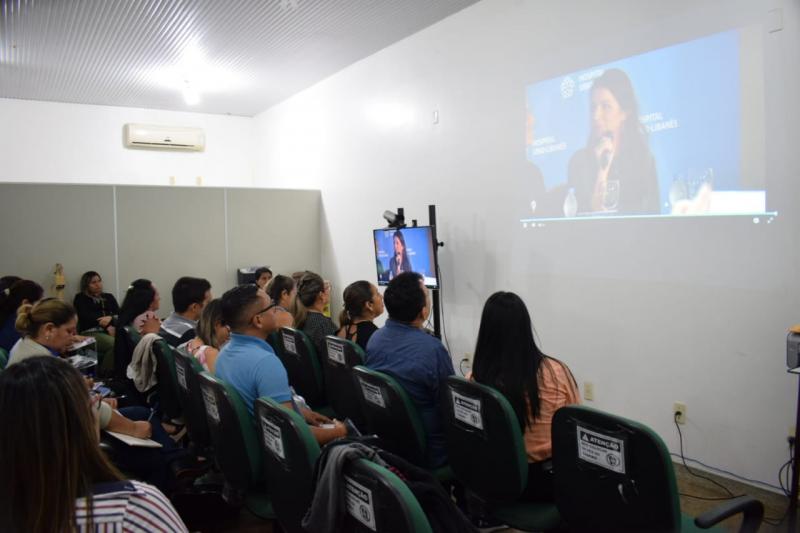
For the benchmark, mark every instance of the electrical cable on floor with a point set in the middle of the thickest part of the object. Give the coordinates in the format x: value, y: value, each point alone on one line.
x: 692, y: 472
x: 778, y: 521
x: 766, y: 519
x: 728, y: 473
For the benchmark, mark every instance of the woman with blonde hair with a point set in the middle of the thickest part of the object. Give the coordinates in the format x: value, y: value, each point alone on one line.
x: 212, y: 333
x: 47, y: 327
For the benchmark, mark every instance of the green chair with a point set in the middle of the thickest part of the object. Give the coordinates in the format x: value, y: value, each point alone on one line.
x: 125, y: 341
x: 391, y: 415
x: 290, y: 453
x: 235, y: 445
x: 487, y: 454
x: 167, y: 387
x: 3, y: 358
x: 614, y: 474
x: 299, y: 357
x: 187, y: 373
x: 378, y: 500
x: 340, y: 387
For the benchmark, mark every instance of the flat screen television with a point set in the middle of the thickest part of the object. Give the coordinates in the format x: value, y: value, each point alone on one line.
x: 405, y: 250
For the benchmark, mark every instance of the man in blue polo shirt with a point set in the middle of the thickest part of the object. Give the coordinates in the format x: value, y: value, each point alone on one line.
x: 418, y: 361
x: 249, y: 364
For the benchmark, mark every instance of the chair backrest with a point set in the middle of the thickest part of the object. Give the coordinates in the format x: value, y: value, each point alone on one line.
x: 232, y: 432
x: 290, y: 453
x: 3, y: 358
x: 187, y: 374
x: 479, y: 422
x: 378, y: 500
x: 612, y: 474
x: 168, y: 393
x: 391, y: 414
x: 340, y: 386
x: 125, y: 340
x: 302, y: 365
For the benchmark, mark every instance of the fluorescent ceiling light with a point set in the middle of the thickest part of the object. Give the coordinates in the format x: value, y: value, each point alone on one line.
x: 193, y: 75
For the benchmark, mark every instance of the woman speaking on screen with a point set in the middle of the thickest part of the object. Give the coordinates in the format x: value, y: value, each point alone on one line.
x: 399, y: 262
x: 615, y: 172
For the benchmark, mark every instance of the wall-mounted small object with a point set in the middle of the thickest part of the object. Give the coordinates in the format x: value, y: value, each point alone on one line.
x: 164, y: 137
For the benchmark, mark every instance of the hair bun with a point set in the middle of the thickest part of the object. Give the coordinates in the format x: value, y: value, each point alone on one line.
x: 24, y: 320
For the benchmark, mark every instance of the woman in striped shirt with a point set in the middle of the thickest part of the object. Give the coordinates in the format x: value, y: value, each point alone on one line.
x: 55, y: 478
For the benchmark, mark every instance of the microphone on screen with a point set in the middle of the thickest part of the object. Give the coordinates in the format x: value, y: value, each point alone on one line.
x: 606, y: 155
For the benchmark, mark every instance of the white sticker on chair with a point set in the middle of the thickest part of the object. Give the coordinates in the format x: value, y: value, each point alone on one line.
x: 335, y: 352
x: 288, y: 343
x: 180, y: 373
x: 601, y: 450
x: 358, y: 499
x: 273, y: 438
x: 211, y: 405
x: 467, y: 409
x: 372, y: 393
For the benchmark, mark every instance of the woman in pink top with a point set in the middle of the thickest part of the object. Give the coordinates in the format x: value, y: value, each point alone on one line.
x: 211, y: 335
x: 536, y: 385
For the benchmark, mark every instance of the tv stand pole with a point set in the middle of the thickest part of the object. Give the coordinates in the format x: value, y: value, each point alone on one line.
x: 437, y: 325
x: 793, y: 492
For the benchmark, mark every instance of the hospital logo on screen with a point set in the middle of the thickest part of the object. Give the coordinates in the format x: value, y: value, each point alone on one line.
x: 567, y: 87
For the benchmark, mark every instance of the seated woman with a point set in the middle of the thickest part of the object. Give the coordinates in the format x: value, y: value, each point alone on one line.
x: 97, y: 314
x: 18, y: 293
x: 48, y: 329
x: 362, y: 304
x: 139, y: 306
x: 312, y: 297
x: 281, y: 289
x: 211, y: 335
x: 536, y: 385
x: 77, y: 488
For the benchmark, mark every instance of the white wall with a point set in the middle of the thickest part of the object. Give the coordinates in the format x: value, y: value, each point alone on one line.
x: 651, y: 311
x: 75, y: 143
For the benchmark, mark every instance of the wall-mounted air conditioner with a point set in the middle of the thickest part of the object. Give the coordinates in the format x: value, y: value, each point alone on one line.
x: 174, y: 138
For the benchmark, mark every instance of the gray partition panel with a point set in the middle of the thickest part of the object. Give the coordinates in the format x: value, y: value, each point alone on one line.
x: 279, y: 228
x: 166, y: 232
x: 41, y: 225
x: 161, y: 233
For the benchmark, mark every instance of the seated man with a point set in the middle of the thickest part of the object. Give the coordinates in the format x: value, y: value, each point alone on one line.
x: 249, y: 364
x: 189, y: 297
x: 418, y: 361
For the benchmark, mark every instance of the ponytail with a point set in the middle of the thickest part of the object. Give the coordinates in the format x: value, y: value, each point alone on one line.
x: 356, y: 296
x: 308, y: 289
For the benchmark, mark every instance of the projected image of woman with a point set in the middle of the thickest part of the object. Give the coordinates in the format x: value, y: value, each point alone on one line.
x: 399, y: 262
x: 615, y: 172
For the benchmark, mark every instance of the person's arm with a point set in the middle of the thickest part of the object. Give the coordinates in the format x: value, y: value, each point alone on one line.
x: 211, y: 359
x: 322, y: 435
x: 119, y: 424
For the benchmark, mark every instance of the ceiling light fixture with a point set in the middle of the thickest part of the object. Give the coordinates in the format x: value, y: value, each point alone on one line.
x: 193, y: 75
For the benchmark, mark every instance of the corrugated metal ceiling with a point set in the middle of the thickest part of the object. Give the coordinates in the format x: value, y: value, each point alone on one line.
x: 239, y: 56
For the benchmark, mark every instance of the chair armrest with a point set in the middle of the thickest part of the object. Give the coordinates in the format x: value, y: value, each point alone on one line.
x: 752, y: 511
